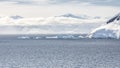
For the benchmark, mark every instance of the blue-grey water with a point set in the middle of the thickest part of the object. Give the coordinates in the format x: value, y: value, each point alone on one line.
x: 28, y: 52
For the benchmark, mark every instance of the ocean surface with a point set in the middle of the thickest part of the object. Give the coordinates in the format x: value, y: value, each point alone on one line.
x: 43, y: 51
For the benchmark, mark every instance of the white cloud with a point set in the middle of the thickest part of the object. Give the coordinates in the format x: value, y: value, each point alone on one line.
x: 48, y: 25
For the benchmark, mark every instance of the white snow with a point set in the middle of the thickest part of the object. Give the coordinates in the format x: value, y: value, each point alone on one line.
x: 111, y: 30
x: 52, y: 37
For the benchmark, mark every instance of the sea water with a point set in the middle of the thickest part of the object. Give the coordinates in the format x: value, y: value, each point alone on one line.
x: 27, y: 52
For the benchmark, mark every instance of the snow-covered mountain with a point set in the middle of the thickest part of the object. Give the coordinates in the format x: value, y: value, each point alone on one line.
x: 115, y: 18
x: 109, y: 30
x: 16, y: 17
x: 75, y: 16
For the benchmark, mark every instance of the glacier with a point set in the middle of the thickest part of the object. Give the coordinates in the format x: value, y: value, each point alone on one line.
x: 110, y: 30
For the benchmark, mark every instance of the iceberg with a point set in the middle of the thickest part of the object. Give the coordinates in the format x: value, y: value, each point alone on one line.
x: 24, y: 37
x: 51, y: 37
x: 110, y: 30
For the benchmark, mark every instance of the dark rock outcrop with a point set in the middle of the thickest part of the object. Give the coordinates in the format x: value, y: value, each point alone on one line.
x: 117, y: 17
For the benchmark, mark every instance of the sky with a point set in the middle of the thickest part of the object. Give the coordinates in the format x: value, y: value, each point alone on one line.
x: 44, y: 16
x: 48, y: 8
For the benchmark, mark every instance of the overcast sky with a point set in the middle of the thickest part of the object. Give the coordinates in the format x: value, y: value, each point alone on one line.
x: 46, y: 8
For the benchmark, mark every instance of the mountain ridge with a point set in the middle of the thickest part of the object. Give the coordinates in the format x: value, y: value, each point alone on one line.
x: 109, y: 30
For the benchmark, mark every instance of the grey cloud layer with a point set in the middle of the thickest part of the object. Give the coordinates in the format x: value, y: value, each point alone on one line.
x: 96, y: 2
